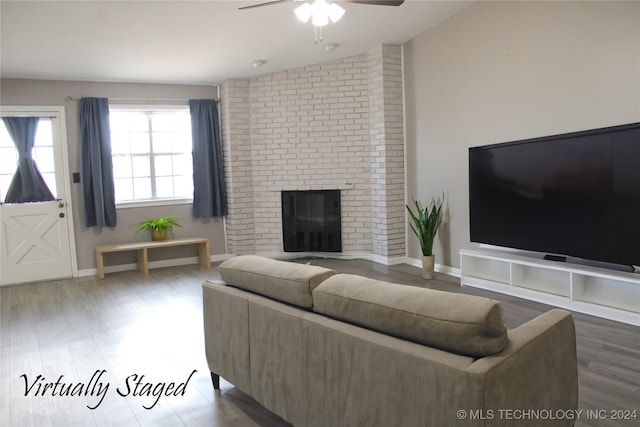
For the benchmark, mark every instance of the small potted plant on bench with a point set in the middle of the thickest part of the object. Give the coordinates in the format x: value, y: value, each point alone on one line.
x: 159, y: 226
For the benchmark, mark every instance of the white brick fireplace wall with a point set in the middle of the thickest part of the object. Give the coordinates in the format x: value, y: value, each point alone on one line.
x: 336, y: 125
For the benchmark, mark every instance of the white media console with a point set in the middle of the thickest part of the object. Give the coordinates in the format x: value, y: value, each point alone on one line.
x: 595, y: 291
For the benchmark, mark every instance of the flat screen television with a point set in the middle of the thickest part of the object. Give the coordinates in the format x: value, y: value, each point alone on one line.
x: 570, y: 195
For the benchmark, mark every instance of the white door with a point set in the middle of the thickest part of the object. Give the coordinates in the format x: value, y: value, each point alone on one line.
x: 36, y: 239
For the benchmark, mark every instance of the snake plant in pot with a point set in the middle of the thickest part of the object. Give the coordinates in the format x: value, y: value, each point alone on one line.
x: 159, y: 226
x: 426, y: 221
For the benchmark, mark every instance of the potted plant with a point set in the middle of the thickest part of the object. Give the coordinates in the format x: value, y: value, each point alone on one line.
x: 426, y: 222
x: 159, y: 226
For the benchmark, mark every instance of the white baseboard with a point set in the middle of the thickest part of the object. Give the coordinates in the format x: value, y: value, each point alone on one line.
x: 444, y: 269
x: 388, y: 260
x: 414, y: 262
x: 379, y: 259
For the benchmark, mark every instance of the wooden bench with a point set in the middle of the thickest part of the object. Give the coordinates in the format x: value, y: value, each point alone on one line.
x: 204, y: 251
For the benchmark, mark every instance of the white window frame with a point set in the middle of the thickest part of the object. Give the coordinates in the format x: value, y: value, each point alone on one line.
x: 156, y: 201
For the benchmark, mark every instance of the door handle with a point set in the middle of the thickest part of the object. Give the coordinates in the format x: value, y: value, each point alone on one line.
x: 61, y: 204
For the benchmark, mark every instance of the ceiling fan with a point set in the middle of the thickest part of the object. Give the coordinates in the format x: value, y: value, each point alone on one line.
x: 369, y: 2
x: 321, y: 12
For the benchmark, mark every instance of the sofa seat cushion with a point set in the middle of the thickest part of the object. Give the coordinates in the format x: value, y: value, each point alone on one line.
x: 283, y: 281
x: 463, y: 324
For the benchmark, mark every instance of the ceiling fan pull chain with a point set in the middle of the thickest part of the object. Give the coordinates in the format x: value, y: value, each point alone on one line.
x: 317, y: 34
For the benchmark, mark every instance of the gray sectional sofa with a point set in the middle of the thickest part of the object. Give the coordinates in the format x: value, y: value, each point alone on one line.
x: 324, y: 349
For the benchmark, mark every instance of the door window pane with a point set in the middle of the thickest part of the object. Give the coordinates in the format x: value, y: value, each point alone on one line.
x: 5, y: 139
x: 42, y: 154
x: 43, y: 157
x: 8, y: 160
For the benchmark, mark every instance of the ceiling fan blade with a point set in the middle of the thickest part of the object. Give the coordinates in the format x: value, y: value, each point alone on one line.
x: 369, y: 2
x: 377, y: 2
x: 269, y: 3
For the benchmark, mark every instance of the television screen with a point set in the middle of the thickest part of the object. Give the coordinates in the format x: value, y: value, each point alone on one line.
x: 574, y: 194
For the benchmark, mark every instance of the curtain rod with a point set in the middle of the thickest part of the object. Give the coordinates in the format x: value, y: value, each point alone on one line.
x: 75, y: 98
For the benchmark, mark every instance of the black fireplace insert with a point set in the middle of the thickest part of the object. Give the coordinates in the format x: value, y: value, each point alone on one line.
x: 311, y: 221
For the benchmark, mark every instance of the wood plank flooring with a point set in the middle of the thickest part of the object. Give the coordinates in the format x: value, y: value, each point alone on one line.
x: 129, y: 325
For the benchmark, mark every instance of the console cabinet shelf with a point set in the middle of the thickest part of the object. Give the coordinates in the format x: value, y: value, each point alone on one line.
x: 595, y: 291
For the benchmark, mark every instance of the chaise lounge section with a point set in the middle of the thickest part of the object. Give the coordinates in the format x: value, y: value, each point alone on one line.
x: 324, y: 349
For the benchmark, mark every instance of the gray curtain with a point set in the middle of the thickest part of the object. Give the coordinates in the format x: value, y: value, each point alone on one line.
x: 209, y: 193
x: 27, y: 184
x: 96, y: 169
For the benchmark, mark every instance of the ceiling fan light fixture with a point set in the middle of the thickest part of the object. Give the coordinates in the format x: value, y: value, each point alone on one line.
x: 335, y: 12
x: 304, y: 12
x: 319, y: 20
x: 320, y: 12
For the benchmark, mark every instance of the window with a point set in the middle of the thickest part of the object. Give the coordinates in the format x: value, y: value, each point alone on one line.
x: 151, y: 150
x: 42, y: 154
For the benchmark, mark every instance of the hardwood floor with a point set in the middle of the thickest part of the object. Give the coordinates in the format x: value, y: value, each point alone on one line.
x: 128, y: 325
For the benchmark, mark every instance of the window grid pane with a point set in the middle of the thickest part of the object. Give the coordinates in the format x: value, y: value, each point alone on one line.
x: 141, y: 166
x: 152, y: 157
x: 123, y: 188
x: 122, y: 166
x: 142, y: 189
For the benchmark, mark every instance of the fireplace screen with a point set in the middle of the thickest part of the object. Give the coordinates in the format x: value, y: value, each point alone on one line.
x: 311, y: 221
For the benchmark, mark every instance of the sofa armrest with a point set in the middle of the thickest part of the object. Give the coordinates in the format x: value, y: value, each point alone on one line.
x: 538, y: 370
x: 226, y: 333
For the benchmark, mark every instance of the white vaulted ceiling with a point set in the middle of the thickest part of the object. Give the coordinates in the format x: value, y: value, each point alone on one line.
x: 189, y: 42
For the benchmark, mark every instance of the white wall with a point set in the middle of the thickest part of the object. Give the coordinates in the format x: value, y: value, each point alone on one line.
x: 502, y: 71
x: 40, y: 92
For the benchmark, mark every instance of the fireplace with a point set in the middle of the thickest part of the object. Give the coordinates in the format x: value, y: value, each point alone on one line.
x: 311, y: 221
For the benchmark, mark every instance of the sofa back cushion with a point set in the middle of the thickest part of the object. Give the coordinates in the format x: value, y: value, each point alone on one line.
x: 283, y: 281
x: 462, y: 324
